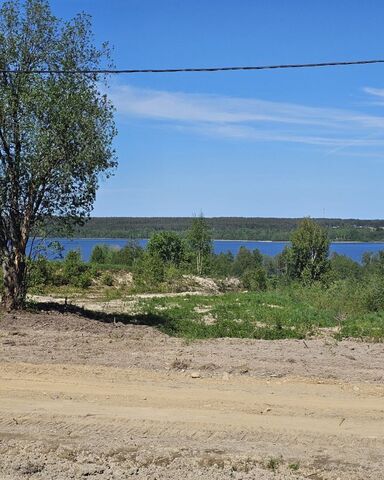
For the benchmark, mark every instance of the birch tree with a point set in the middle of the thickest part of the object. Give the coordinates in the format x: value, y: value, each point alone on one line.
x: 309, y: 252
x: 200, y: 242
x: 56, y: 129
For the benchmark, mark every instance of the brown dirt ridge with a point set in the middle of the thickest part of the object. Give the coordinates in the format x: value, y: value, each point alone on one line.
x: 80, y: 398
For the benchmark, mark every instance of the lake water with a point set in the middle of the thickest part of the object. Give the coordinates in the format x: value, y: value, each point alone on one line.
x: 86, y: 245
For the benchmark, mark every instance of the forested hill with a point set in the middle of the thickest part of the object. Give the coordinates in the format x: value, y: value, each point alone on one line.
x: 241, y: 228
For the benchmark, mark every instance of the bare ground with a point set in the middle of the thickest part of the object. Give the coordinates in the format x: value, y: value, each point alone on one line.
x: 82, y: 398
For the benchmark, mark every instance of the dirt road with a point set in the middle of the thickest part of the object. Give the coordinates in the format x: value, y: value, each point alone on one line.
x: 62, y: 420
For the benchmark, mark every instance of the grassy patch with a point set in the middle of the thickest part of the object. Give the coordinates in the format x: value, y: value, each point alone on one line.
x: 268, y: 315
x: 242, y: 315
x: 369, y: 326
x: 344, y: 309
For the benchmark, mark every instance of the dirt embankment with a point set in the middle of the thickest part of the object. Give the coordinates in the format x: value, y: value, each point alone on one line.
x: 84, y: 399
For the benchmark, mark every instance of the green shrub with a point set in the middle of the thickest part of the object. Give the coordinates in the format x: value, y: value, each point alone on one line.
x: 84, y: 280
x: 221, y: 265
x: 246, y: 260
x: 373, y: 263
x: 40, y: 272
x: 106, y: 255
x: 127, y: 255
x: 73, y: 265
x: 343, y: 267
x: 168, y: 246
x: 254, y: 279
x: 172, y: 273
x: 100, y: 254
x: 373, y: 294
x: 149, y: 271
x: 75, y: 272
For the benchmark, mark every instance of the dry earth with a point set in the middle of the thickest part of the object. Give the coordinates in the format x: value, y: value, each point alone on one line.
x: 84, y: 399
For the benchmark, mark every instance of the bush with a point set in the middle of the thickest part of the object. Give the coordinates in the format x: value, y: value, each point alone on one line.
x: 246, y: 260
x: 168, y: 246
x: 255, y: 279
x: 75, y: 272
x: 100, y: 254
x: 343, y: 267
x: 373, y: 294
x: 149, y: 271
x: 172, y: 273
x: 127, y: 255
x: 221, y: 264
x: 40, y: 272
x: 83, y: 281
x: 105, y: 255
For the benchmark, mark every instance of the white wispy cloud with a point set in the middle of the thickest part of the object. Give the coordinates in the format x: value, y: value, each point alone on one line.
x: 253, y: 119
x: 377, y: 92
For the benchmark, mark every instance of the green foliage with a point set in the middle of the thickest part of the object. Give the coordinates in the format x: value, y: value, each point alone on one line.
x: 73, y: 265
x: 246, y: 260
x: 254, y: 279
x: 83, y: 281
x: 168, y: 246
x: 373, y: 263
x: 372, y: 295
x: 228, y: 228
x: 172, y: 273
x: 65, y: 124
x: 307, y: 258
x: 100, y: 254
x: 285, y: 262
x: 245, y: 315
x: 126, y: 256
x: 294, y: 311
x: 369, y: 326
x: 56, y: 129
x: 75, y: 272
x: 112, y: 294
x: 40, y: 273
x: 343, y: 267
x: 350, y: 306
x: 221, y: 265
x: 72, y: 271
x: 200, y: 242
x: 149, y: 271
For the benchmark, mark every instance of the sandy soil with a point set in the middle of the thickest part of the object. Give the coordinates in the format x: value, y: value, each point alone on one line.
x: 82, y: 398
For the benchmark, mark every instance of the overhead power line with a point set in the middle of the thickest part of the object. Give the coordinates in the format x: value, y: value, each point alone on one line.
x: 203, y: 69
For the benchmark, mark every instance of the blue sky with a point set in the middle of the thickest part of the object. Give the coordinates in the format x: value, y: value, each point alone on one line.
x: 271, y: 143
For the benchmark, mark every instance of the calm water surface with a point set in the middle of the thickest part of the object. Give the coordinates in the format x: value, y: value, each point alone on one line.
x: 86, y: 245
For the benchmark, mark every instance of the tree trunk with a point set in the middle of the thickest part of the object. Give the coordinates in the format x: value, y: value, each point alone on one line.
x: 15, y: 288
x: 199, y: 263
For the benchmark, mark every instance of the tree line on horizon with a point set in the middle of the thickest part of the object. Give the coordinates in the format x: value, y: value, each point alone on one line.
x: 229, y: 228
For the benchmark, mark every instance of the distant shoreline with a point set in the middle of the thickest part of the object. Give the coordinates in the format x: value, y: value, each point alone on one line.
x: 214, y: 240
